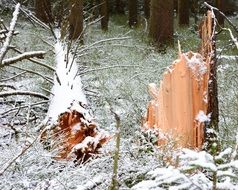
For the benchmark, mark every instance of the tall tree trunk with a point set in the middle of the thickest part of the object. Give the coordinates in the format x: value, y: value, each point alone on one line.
x: 147, y: 9
x: 104, y: 14
x: 220, y: 5
x: 194, y: 10
x: 43, y: 10
x: 183, y: 12
x: 132, y: 8
x: 120, y: 5
x: 208, y: 51
x: 161, y: 21
x: 76, y: 20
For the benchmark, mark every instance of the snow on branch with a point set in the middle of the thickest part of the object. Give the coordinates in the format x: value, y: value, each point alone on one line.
x: 26, y: 55
x: 10, y: 33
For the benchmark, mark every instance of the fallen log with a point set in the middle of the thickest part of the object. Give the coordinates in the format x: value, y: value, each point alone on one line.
x: 70, y: 125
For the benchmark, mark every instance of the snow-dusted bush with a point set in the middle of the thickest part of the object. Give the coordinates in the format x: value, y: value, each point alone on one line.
x: 196, y: 170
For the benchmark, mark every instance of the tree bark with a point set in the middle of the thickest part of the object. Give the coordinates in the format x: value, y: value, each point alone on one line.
x: 183, y: 12
x: 208, y: 50
x: 43, y: 10
x: 147, y: 9
x: 161, y: 22
x: 194, y: 11
x: 132, y: 8
x: 104, y: 14
x: 120, y: 5
x: 76, y: 20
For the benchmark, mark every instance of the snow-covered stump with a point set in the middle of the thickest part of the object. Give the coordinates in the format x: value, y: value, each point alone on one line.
x: 70, y: 126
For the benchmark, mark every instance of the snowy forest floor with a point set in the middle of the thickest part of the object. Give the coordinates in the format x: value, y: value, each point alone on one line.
x: 115, y: 74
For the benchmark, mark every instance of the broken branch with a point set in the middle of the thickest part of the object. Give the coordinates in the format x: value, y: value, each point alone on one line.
x: 7, y: 42
x: 21, y: 57
x: 222, y: 14
x: 35, y: 61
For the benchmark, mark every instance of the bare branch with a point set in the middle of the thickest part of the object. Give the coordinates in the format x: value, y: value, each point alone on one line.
x: 232, y: 36
x: 109, y: 67
x: 35, y: 61
x: 6, y: 79
x: 21, y: 57
x: 7, y: 86
x: 50, y: 80
x: 222, y: 14
x: 7, y: 42
x: 24, y: 106
x: 18, y: 92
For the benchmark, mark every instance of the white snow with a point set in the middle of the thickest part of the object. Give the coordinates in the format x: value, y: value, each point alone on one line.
x: 91, y: 184
x: 202, y: 117
x: 86, y: 142
x: 76, y: 128
x: 67, y: 87
x: 196, y: 64
x: 146, y: 185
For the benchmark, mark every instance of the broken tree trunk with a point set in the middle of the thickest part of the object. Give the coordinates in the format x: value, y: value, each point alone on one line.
x: 187, y: 98
x: 180, y: 103
x: 208, y: 51
x: 70, y: 126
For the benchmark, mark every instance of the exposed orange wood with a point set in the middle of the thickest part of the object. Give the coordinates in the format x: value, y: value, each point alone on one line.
x: 184, y: 96
x: 177, y: 102
x: 71, y: 136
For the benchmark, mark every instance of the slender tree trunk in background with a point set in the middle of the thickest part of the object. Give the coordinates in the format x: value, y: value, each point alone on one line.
x: 104, y: 14
x: 220, y: 5
x: 147, y: 9
x: 76, y: 20
x: 161, y: 21
x: 120, y: 5
x: 194, y: 10
x: 132, y: 8
x: 176, y: 7
x: 183, y: 12
x: 43, y: 10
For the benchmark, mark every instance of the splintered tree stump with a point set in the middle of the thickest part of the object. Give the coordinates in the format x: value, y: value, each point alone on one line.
x: 186, y: 102
x: 70, y: 129
x: 180, y: 101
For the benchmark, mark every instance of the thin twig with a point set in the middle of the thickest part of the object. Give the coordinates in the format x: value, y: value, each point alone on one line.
x: 109, y: 67
x: 24, y: 106
x: 221, y: 13
x: 232, y: 36
x: 27, y: 93
x: 22, y: 152
x: 10, y: 78
x: 35, y: 61
x: 34, y: 72
x: 114, y: 185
